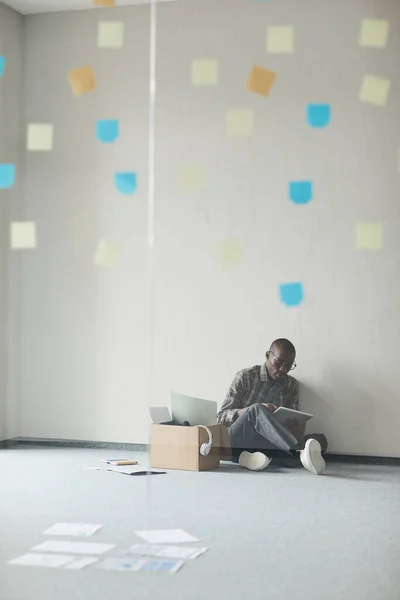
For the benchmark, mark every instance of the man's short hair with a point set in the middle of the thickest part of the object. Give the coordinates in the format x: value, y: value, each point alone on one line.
x: 283, y: 344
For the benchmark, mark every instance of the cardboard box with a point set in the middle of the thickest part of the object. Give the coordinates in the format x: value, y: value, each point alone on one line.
x: 175, y: 447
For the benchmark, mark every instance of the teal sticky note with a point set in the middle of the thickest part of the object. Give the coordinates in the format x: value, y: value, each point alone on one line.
x: 301, y: 192
x: 126, y: 183
x: 107, y: 131
x: 7, y: 176
x: 291, y: 294
x: 2, y: 64
x: 318, y: 115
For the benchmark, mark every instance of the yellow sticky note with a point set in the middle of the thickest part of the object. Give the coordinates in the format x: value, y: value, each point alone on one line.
x: 280, y: 39
x: 110, y: 34
x: 104, y: 3
x: 260, y: 80
x: 107, y: 255
x: 231, y: 252
x: 205, y: 72
x: 240, y: 123
x: 39, y: 137
x: 82, y: 80
x: 23, y: 235
x: 374, y: 33
x: 375, y: 90
x: 369, y: 236
x: 191, y: 179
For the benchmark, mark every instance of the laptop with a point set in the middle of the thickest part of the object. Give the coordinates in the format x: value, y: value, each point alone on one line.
x: 192, y: 410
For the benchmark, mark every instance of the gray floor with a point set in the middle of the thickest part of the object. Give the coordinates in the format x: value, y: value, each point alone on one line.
x: 281, y: 534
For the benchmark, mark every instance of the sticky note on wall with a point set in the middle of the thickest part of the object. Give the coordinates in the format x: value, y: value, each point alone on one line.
x: 374, y: 33
x: 82, y: 80
x: 105, y: 3
x: 301, y: 192
x: 280, y: 39
x: 39, y: 137
x: 23, y: 235
x: 107, y: 255
x: 126, y: 183
x: 369, y: 235
x: 318, y: 115
x: 191, y: 179
x: 291, y: 294
x: 231, y: 252
x: 240, y: 123
x: 205, y: 72
x: 7, y: 176
x: 2, y: 64
x: 110, y: 34
x: 260, y: 80
x: 107, y: 130
x: 374, y: 90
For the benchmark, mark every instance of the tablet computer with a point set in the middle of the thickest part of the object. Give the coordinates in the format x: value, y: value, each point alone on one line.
x: 282, y: 414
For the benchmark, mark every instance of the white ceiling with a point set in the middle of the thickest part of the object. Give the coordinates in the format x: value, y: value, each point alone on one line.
x: 30, y: 7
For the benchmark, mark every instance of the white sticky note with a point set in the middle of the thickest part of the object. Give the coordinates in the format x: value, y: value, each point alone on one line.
x: 205, y: 72
x: 375, y: 90
x: 231, y: 252
x: 53, y: 561
x: 374, y: 33
x: 166, y: 536
x: 191, y: 179
x: 369, y: 235
x: 39, y: 137
x: 73, y: 547
x: 23, y: 235
x: 73, y: 529
x: 110, y: 34
x: 240, y: 123
x: 107, y: 255
x: 280, y: 39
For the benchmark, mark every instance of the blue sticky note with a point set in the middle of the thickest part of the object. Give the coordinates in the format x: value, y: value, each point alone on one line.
x: 7, y: 176
x: 318, y: 115
x: 291, y: 293
x: 2, y: 64
x: 126, y: 183
x: 107, y: 131
x: 300, y: 192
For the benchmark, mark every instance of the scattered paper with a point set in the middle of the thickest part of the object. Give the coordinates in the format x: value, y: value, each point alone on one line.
x: 301, y: 192
x: 231, y: 252
x: 107, y: 255
x: 23, y: 235
x: 7, y: 176
x: 2, y: 65
x: 107, y: 131
x: 374, y: 33
x: 40, y: 137
x: 318, y: 115
x: 76, y: 529
x: 205, y: 72
x: 53, y: 561
x: 73, y: 547
x: 375, y: 90
x: 166, y: 536
x: 184, y: 552
x: 126, y: 183
x: 260, y: 80
x: 191, y: 179
x: 106, y: 3
x: 82, y: 80
x: 369, y: 236
x: 135, y: 564
x: 160, y: 414
x: 240, y: 123
x: 291, y: 294
x: 110, y: 34
x: 280, y: 39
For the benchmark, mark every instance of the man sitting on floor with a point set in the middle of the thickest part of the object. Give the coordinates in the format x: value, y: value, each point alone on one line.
x: 248, y: 409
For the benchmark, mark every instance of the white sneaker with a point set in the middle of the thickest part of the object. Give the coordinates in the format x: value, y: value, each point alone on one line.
x: 256, y: 461
x: 311, y: 457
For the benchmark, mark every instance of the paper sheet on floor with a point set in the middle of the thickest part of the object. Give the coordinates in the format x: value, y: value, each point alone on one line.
x: 135, y: 564
x: 53, y: 561
x: 75, y: 529
x: 184, y: 552
x: 73, y: 547
x: 124, y: 470
x: 166, y: 536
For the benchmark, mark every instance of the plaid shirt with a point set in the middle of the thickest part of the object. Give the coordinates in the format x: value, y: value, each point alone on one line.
x: 251, y: 386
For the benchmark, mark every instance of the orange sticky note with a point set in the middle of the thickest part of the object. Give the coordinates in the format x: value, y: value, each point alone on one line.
x: 260, y: 80
x: 82, y: 80
x: 104, y: 2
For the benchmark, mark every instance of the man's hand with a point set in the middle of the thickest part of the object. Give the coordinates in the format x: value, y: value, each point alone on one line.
x: 270, y: 407
x: 296, y: 427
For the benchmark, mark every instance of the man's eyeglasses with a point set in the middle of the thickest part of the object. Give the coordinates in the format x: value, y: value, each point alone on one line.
x: 280, y: 364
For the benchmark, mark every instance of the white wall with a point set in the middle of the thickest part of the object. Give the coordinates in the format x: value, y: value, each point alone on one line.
x: 85, y: 334
x: 11, y: 30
